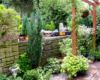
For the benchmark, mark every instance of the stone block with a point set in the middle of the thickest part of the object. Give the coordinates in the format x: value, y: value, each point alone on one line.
x: 2, y: 50
x: 0, y: 61
x: 17, y: 57
x: 2, y: 64
x: 8, y: 43
x: 7, y: 65
x: 9, y: 55
x: 2, y: 44
x: 48, y: 47
x: 8, y: 50
x: 2, y: 55
x: 21, y: 51
x: 1, y: 71
x: 11, y: 62
x: 15, y: 48
x: 15, y: 42
x: 3, y: 60
x: 5, y: 70
x: 22, y: 48
x: 9, y: 59
x: 22, y: 43
x: 15, y: 53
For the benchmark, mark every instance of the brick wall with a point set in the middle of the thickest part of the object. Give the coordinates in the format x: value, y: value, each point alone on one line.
x: 10, y: 51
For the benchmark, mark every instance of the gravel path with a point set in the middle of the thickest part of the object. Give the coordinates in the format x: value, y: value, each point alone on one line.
x: 59, y: 77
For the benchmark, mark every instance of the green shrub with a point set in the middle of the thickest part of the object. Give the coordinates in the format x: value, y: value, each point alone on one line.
x: 9, y: 19
x: 44, y: 75
x: 52, y: 28
x: 31, y: 75
x: 4, y: 77
x: 74, y: 64
x: 24, y: 63
x: 47, y: 27
x: 24, y: 25
x: 53, y: 64
x: 66, y: 46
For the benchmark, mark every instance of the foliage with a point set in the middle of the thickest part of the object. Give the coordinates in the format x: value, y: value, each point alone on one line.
x: 9, y: 19
x: 98, y: 36
x: 92, y: 52
x: 31, y: 75
x: 66, y: 46
x: 34, y: 44
x: 52, y: 28
x: 90, y: 57
x: 20, y: 27
x: 54, y: 11
x: 37, y: 74
x: 53, y: 64
x: 24, y: 63
x: 47, y: 26
x: 24, y: 25
x: 22, y: 6
x: 4, y: 77
x: 44, y: 75
x: 84, y: 35
x: 98, y: 15
x: 98, y: 54
x: 73, y: 64
x: 88, y: 21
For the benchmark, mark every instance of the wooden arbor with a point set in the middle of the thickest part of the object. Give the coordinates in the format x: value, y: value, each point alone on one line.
x: 74, y: 36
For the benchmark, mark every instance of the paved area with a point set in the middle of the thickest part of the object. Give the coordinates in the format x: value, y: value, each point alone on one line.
x: 92, y: 74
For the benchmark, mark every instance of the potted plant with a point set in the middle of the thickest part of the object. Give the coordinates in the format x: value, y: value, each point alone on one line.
x: 91, y: 56
x: 84, y: 65
x: 69, y: 65
x: 91, y: 59
x: 74, y: 64
x: 50, y: 29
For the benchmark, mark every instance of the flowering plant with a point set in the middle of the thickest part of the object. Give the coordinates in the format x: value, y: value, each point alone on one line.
x: 73, y: 64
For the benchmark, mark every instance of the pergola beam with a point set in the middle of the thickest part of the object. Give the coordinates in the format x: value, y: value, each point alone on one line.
x: 74, y: 36
x: 89, y: 2
x: 94, y: 26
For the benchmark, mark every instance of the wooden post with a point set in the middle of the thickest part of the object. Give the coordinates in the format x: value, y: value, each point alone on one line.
x: 94, y: 26
x: 74, y: 37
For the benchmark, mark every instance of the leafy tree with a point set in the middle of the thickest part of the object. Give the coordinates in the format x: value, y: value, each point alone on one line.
x: 34, y: 44
x: 22, y: 6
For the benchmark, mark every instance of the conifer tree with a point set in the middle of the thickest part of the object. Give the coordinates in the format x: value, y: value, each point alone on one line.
x: 24, y: 25
x: 52, y: 28
x: 34, y: 44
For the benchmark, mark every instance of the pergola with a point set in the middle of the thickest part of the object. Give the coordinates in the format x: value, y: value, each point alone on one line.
x: 74, y: 36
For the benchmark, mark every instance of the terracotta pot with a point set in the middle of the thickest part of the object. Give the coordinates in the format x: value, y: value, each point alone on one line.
x: 91, y: 60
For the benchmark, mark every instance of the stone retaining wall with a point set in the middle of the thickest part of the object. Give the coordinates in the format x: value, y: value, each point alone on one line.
x: 10, y: 51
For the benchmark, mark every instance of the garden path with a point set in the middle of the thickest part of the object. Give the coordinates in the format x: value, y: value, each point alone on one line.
x: 92, y: 74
